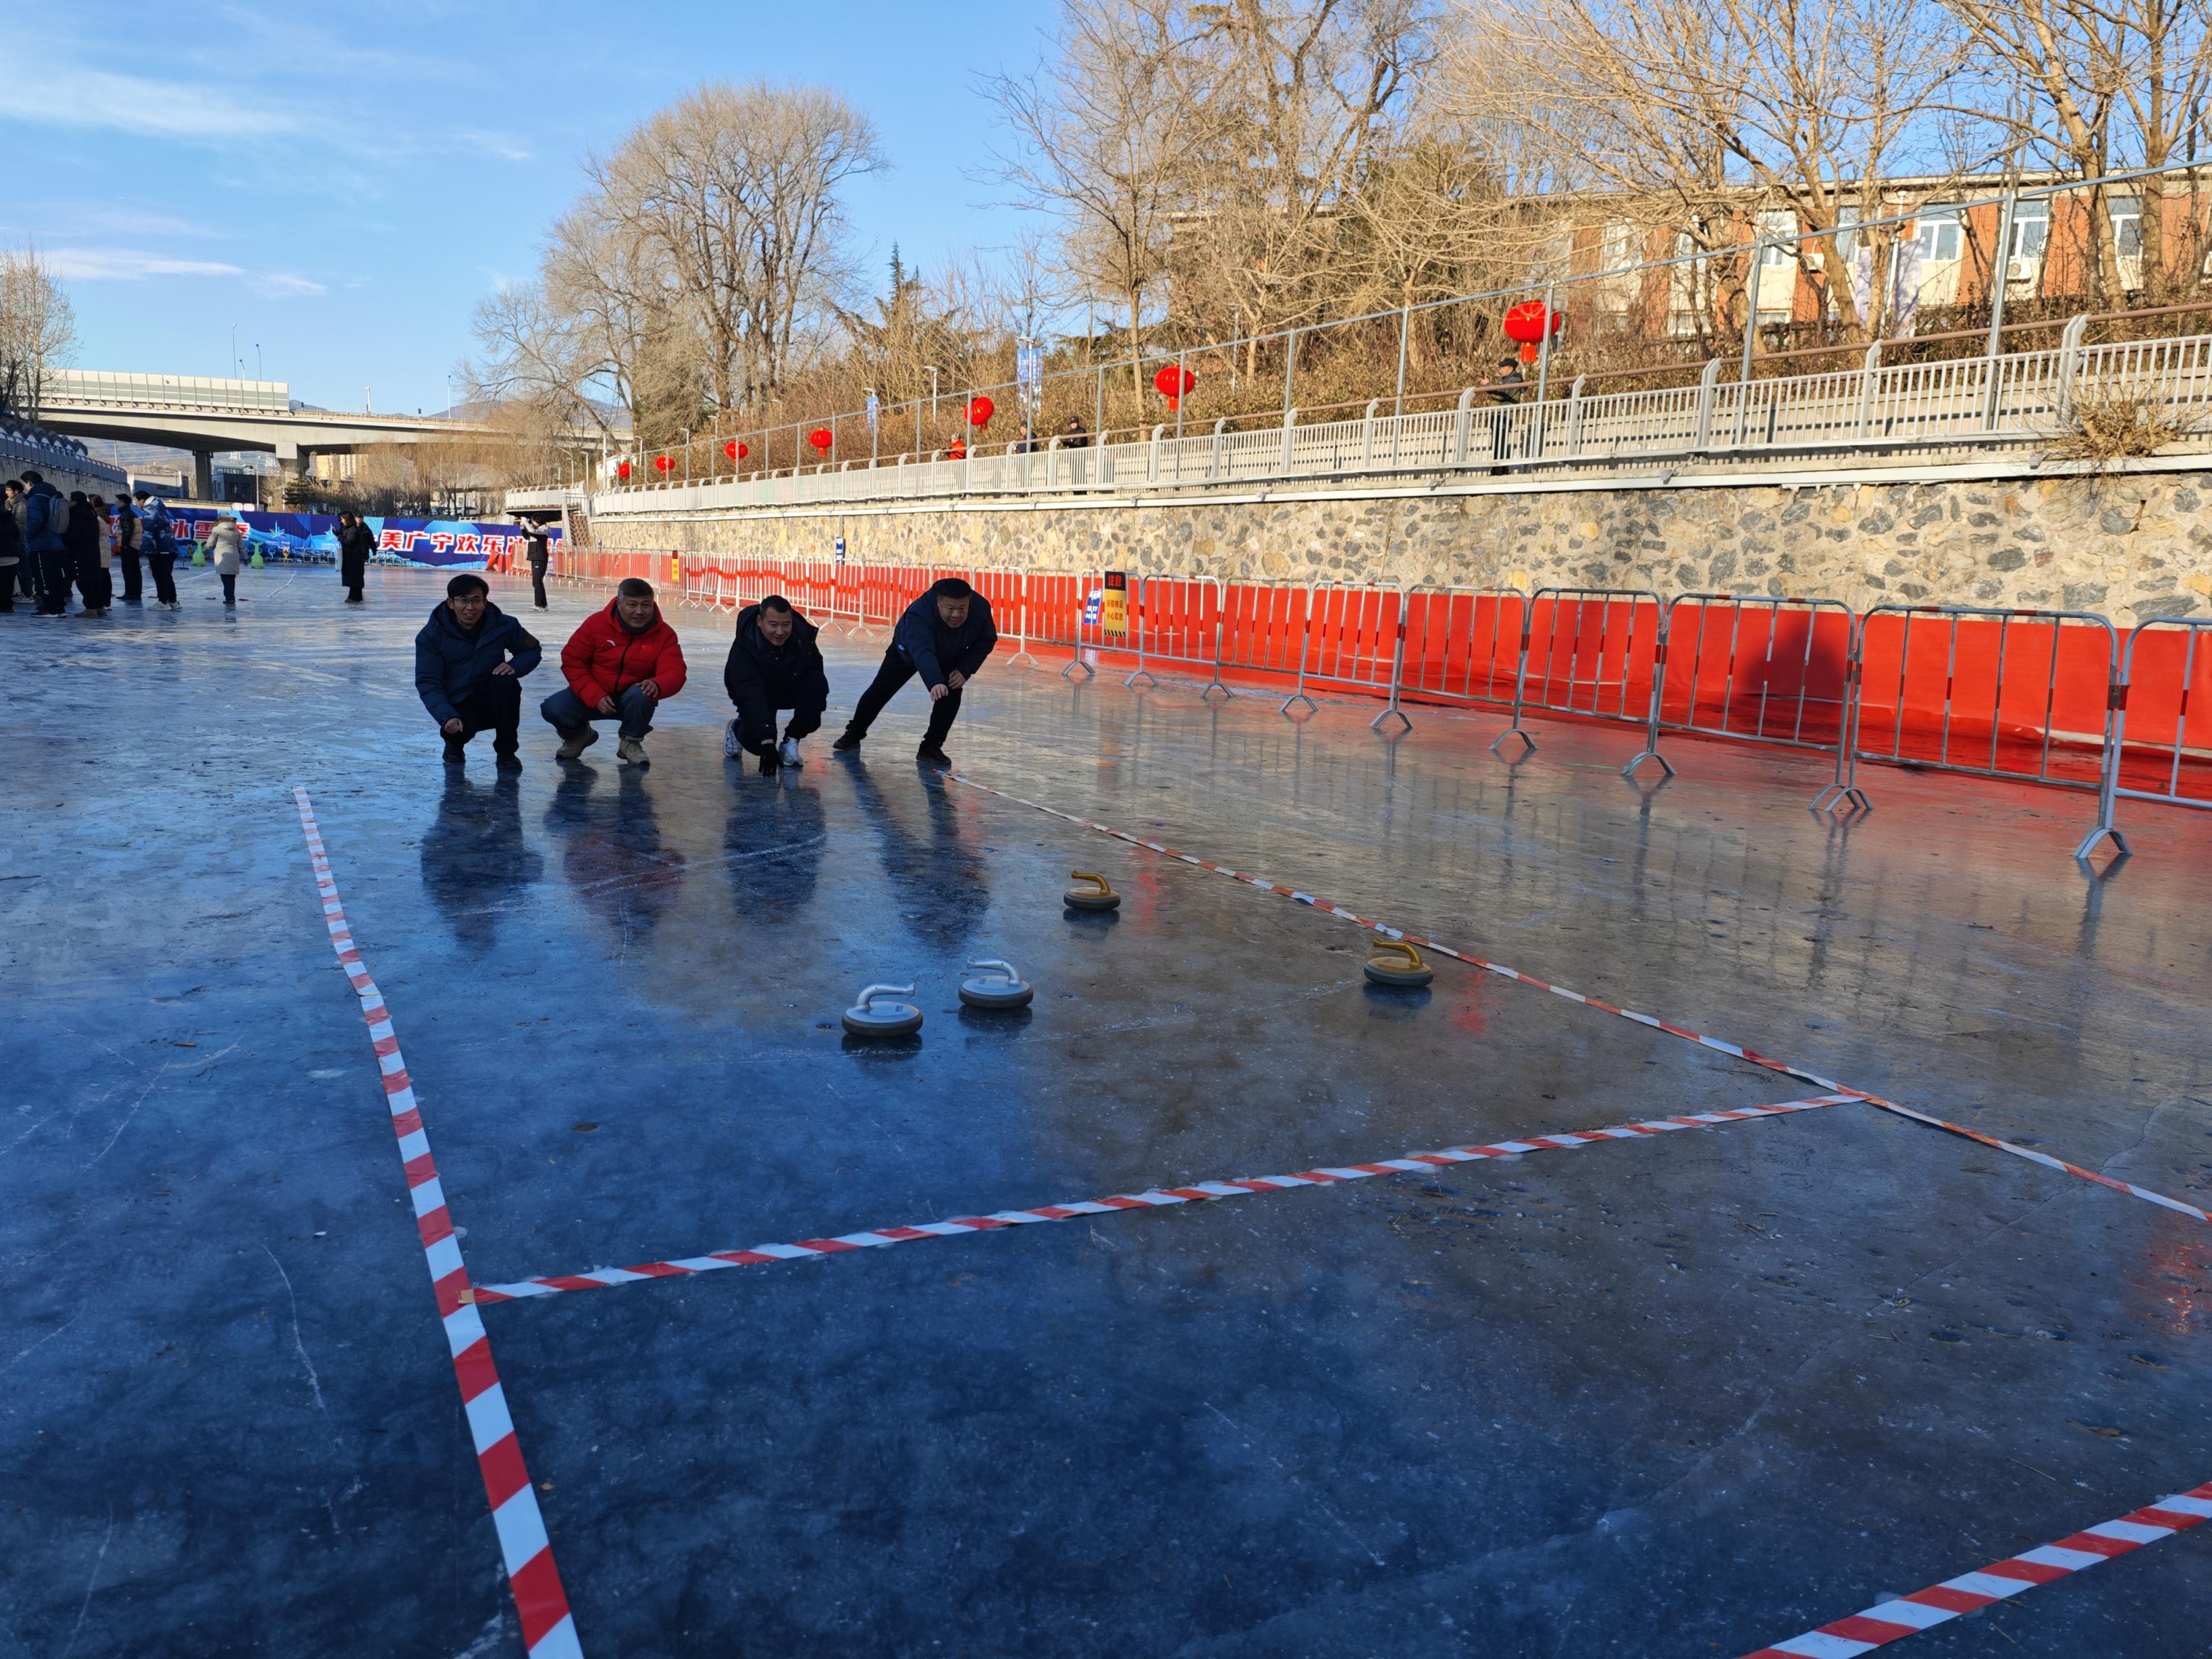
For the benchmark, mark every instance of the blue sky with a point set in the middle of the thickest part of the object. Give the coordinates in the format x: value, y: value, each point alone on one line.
x: 343, y: 181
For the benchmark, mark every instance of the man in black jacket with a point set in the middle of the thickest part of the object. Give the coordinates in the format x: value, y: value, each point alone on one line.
x: 357, y: 541
x: 539, y: 547
x: 773, y: 664
x: 469, y: 660
x: 943, y: 636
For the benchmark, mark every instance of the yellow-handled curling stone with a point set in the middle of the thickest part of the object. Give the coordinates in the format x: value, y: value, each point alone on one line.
x: 868, y: 1017
x: 999, y: 987
x: 1099, y: 897
x: 1406, y: 967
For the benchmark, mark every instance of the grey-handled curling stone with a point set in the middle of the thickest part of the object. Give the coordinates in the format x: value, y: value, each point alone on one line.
x: 1001, y: 988
x: 1389, y: 970
x: 1099, y: 897
x: 868, y: 1017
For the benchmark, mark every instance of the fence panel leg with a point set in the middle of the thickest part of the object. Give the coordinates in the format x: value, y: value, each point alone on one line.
x: 1022, y: 636
x: 1650, y: 750
x: 1845, y: 786
x: 1142, y: 672
x: 1305, y: 641
x: 2108, y: 784
x: 1397, y: 676
x: 1520, y: 691
x: 1220, y: 620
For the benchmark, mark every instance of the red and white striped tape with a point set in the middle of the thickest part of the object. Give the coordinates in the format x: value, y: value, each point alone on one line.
x: 1157, y: 1198
x: 1515, y: 973
x: 1907, y: 1615
x: 548, y: 1631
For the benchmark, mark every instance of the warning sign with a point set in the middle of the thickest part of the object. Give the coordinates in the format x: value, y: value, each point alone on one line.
x: 1113, y: 611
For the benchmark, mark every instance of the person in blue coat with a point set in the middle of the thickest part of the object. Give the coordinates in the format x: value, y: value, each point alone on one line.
x: 943, y: 636
x: 470, y: 658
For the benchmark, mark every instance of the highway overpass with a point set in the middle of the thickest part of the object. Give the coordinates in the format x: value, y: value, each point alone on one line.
x: 209, y: 417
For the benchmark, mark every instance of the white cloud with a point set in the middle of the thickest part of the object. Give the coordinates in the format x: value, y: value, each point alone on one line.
x: 283, y: 281
x: 63, y: 95
x: 126, y: 265
x: 505, y: 145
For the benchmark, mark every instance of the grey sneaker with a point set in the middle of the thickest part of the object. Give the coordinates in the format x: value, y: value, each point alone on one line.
x: 789, y: 750
x: 571, y: 747
x: 631, y: 751
x: 732, y: 749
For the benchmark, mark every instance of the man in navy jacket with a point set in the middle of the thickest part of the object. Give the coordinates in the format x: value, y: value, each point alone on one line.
x: 943, y: 636
x: 773, y: 664
x: 469, y: 660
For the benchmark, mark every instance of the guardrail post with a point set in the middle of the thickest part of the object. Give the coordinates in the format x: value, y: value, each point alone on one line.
x: 2000, y: 278
x: 1214, y: 462
x: 1305, y: 641
x: 1290, y: 426
x: 2069, y: 365
x: 1142, y: 672
x: 1869, y: 378
x: 1706, y: 384
x: 1220, y: 620
x: 1397, y: 674
x: 1650, y: 751
x: 1367, y: 434
x: 1082, y: 578
x: 1520, y: 683
x: 2116, y: 730
x: 1462, y: 426
x: 1152, y: 456
x: 1575, y: 416
x: 1845, y: 787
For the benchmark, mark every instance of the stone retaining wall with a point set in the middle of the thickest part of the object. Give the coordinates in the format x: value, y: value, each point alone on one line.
x: 2127, y: 546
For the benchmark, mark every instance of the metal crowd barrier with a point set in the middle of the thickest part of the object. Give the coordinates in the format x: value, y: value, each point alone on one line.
x: 2173, y: 769
x: 1352, y: 639
x: 1265, y: 625
x: 2012, y: 693
x: 1784, y: 679
x: 1607, y: 655
x: 1460, y: 643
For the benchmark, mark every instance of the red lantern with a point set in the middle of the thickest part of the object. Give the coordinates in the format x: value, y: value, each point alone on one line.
x: 736, y: 451
x: 622, y: 470
x: 1172, y: 382
x: 1528, y: 323
x: 979, y: 410
x: 821, y: 438
x: 662, y: 464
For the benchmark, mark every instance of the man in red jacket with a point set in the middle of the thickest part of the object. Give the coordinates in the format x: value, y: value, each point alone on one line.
x: 619, y: 666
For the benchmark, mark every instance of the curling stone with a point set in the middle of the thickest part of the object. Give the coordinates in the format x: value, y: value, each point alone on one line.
x: 868, y: 1017
x: 1001, y: 988
x: 1391, y: 970
x: 1101, y: 897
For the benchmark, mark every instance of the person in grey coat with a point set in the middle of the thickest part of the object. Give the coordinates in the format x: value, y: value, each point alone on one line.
x: 226, y: 549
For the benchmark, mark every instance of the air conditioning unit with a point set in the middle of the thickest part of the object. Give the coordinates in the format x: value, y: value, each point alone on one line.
x: 2021, y: 270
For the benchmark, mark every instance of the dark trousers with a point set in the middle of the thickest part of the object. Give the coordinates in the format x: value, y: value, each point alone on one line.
x: 133, y: 578
x: 568, y: 713
x: 52, y: 577
x: 495, y: 707
x: 353, y: 572
x: 896, y: 671
x: 537, y: 585
x: 98, y: 590
x: 8, y: 580
x: 230, y: 588
x: 25, y: 576
x: 756, y: 722
x: 164, y: 577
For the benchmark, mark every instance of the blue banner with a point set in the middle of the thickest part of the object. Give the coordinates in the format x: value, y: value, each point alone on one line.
x: 312, y: 538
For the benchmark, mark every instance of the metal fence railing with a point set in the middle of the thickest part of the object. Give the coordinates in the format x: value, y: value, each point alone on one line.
x: 2049, y: 698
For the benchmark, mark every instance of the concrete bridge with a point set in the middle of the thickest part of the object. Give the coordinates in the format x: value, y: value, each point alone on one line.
x: 209, y: 417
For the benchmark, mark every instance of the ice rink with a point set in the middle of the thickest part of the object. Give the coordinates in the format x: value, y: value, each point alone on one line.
x: 1697, y: 1387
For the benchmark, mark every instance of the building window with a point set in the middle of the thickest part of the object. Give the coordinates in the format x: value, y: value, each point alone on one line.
x: 2031, y: 227
x: 1937, y: 233
x: 2127, y: 228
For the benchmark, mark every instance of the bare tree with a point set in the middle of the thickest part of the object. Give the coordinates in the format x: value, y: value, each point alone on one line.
x: 36, y: 331
x: 735, y: 193
x: 1108, y: 140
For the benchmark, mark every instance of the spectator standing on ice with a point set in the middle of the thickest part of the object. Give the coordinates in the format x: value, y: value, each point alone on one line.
x: 469, y: 660
x: 355, y: 543
x: 11, y: 543
x: 157, y: 537
x: 540, y: 550
x: 45, y: 515
x: 127, y: 549
x: 89, y: 551
x: 620, y: 664
x: 773, y: 664
x: 226, y: 551
x: 943, y: 636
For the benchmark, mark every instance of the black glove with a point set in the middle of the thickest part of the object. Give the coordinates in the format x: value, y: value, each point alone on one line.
x: 770, y: 761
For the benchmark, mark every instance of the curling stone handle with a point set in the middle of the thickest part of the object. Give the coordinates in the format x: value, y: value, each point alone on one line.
x: 1412, y: 956
x: 1105, y: 888
x: 1005, y: 967
x: 873, y: 991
